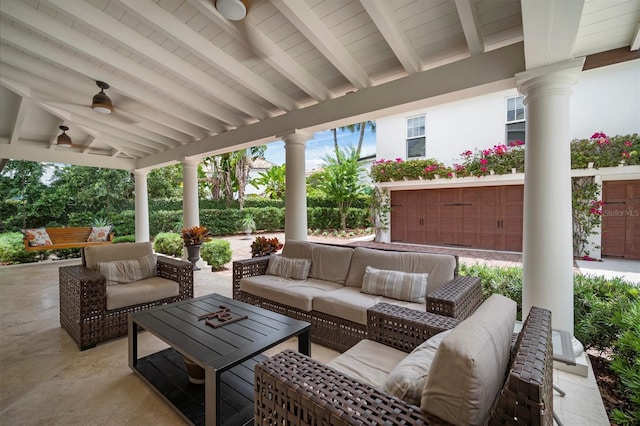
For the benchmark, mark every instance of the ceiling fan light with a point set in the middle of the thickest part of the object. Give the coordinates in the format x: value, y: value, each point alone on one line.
x: 101, y: 102
x: 63, y: 139
x: 233, y: 10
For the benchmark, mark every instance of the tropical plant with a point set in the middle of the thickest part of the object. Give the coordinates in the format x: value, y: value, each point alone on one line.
x: 165, y: 182
x: 273, y: 182
x: 356, y: 127
x: 500, y: 159
x: 248, y: 224
x: 216, y: 253
x: 195, y: 235
x: 169, y: 243
x: 263, y: 246
x: 586, y: 211
x: 12, y: 249
x: 340, y: 181
x: 242, y: 161
x: 398, y: 169
x: 379, y: 208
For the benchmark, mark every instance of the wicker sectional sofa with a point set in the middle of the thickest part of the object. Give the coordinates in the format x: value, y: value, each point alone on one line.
x: 331, y: 297
x: 477, y: 373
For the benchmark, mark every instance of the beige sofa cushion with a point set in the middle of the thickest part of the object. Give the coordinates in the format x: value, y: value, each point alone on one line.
x: 469, y: 367
x: 408, y: 378
x: 295, y: 293
x: 329, y: 263
x: 297, y: 249
x: 111, y: 252
x: 297, y: 269
x: 368, y: 361
x: 144, y: 291
x: 127, y: 271
x: 440, y: 267
x: 351, y: 304
x: 395, y: 284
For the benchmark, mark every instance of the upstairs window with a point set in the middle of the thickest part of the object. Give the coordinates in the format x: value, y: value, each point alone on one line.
x: 515, y: 127
x: 416, y: 141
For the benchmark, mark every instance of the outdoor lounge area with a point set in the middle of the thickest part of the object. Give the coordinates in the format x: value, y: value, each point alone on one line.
x: 46, y: 379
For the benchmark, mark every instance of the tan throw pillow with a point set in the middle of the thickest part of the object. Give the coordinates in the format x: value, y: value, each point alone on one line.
x: 395, y: 284
x: 126, y: 271
x: 297, y: 269
x: 99, y: 234
x: 37, y: 237
x: 408, y: 378
x: 469, y: 367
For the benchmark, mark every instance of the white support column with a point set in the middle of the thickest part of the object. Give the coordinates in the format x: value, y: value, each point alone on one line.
x: 547, y: 237
x: 295, y: 226
x: 142, y: 206
x: 190, y: 206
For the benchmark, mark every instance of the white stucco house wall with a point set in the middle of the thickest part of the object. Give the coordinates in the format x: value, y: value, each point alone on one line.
x: 605, y: 99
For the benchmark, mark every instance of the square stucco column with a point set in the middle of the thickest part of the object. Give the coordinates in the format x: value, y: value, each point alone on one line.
x: 295, y: 226
x: 547, y: 235
x: 142, y: 206
x: 190, y: 205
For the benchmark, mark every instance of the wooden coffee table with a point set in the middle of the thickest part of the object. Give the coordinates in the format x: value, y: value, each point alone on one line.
x: 227, y: 353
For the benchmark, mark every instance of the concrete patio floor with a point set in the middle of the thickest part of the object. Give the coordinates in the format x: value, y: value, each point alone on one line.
x: 44, y: 379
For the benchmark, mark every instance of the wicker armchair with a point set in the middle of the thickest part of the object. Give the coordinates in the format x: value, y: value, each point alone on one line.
x: 294, y: 389
x: 83, y: 301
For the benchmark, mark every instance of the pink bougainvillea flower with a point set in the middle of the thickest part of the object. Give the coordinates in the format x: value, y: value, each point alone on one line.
x: 450, y: 174
x: 628, y: 143
x: 483, y: 169
x: 398, y: 160
x: 486, y: 152
x: 467, y: 153
x: 517, y: 142
x: 625, y: 154
x: 484, y: 161
x: 599, y: 135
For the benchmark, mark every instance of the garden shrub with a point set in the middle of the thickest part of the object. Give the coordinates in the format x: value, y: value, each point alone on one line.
x: 169, y: 243
x: 12, y: 249
x: 124, y: 239
x: 216, y: 253
x: 506, y: 281
x: 626, y: 363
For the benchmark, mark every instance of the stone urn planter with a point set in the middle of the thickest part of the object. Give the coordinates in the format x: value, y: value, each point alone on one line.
x: 193, y: 254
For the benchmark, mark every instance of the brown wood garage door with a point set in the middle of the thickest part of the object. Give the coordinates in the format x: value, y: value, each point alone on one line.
x: 621, y: 219
x: 483, y: 217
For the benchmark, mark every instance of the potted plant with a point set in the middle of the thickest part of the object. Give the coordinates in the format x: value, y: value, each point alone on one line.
x: 248, y: 224
x: 193, y: 239
x: 263, y: 246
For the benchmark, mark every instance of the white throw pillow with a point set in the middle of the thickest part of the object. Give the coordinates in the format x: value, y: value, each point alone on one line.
x: 37, y: 237
x: 395, y: 284
x: 127, y: 271
x: 297, y: 269
x: 408, y: 378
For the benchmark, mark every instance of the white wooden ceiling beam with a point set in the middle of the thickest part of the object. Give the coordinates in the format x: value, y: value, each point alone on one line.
x: 125, y: 36
x: 31, y: 43
x: 473, y: 76
x: 31, y: 152
x: 550, y: 29
x: 18, y: 121
x: 267, y: 50
x: 61, y: 33
x: 180, y: 33
x: 308, y: 23
x: 385, y: 19
x: 468, y: 13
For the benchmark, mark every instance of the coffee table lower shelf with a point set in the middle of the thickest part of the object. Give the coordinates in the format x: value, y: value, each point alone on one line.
x: 166, y: 372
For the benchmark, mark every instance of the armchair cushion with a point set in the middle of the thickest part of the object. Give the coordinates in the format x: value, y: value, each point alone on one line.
x: 408, y: 378
x: 468, y: 368
x: 127, y: 271
x: 297, y: 269
x: 395, y: 284
x: 144, y: 291
x: 108, y: 253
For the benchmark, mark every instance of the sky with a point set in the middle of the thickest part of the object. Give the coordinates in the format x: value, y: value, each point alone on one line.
x: 321, y: 145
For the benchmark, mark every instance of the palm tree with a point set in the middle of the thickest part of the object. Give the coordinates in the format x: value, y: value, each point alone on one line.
x: 356, y: 127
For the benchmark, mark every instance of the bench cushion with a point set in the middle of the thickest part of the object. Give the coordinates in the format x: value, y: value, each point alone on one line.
x: 37, y: 237
x: 440, y: 267
x: 469, y: 367
x: 368, y: 361
x: 99, y: 234
x: 144, y: 291
x: 295, y: 293
x: 351, y: 304
x: 127, y: 271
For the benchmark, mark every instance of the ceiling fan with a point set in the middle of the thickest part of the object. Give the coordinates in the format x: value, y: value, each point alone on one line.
x: 64, y: 141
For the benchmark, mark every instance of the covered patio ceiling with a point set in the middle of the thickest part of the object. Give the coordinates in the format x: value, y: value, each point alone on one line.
x: 186, y: 82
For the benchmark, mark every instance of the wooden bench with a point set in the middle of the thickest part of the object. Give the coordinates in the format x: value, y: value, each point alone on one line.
x: 66, y: 238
